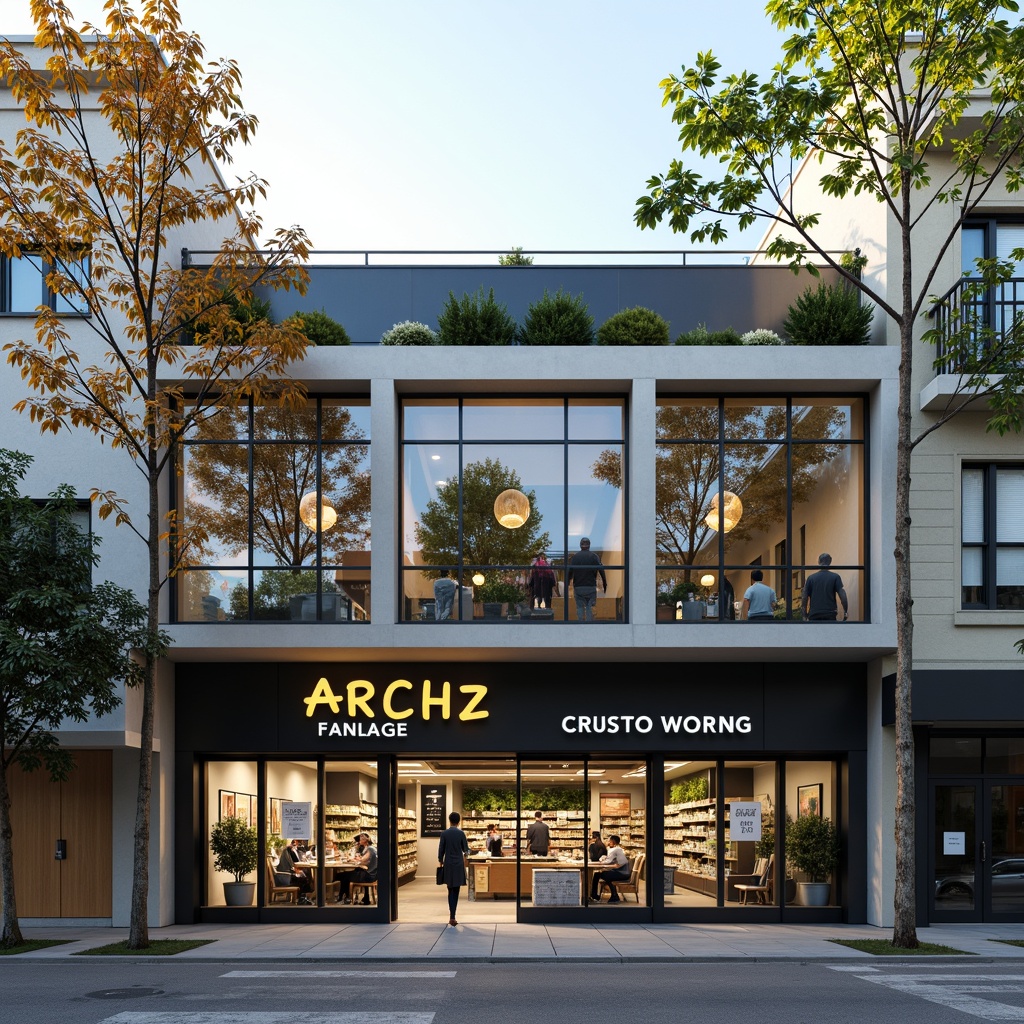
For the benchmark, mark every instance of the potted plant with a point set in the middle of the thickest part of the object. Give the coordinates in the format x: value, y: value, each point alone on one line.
x: 497, y: 593
x: 235, y: 847
x: 665, y: 610
x: 812, y: 846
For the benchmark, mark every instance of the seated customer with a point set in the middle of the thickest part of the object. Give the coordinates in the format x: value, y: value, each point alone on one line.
x: 367, y: 872
x: 288, y: 871
x: 618, y: 870
x: 597, y: 849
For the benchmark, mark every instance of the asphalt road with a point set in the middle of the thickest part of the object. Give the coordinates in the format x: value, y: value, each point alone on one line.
x: 264, y: 992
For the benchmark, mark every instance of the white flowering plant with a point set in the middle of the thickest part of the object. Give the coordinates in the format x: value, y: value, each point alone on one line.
x: 761, y: 336
x: 409, y: 332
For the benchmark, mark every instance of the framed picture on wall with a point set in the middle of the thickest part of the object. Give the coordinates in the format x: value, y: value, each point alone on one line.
x: 808, y: 800
x: 275, y: 815
x: 227, y: 804
x: 614, y: 804
x: 242, y: 807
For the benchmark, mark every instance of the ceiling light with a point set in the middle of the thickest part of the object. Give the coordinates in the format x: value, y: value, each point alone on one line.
x: 436, y: 458
x: 731, y: 516
x: 308, y: 509
x: 511, y: 508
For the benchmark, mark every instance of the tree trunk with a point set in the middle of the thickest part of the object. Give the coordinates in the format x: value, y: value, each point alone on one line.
x: 138, y: 931
x: 904, y: 902
x: 10, y: 932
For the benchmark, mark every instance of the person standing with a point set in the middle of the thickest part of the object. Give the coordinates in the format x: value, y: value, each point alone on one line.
x: 444, y: 596
x: 597, y: 849
x: 538, y: 836
x: 494, y: 840
x: 821, y: 589
x: 584, y: 570
x: 452, y: 851
x: 759, y: 599
x: 542, y: 582
x: 618, y: 870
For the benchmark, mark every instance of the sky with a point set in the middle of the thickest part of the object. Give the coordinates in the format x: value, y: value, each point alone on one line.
x: 450, y: 125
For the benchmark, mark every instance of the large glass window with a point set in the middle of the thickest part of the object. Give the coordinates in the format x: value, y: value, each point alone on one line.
x: 510, y: 503
x: 275, y: 512
x: 750, y: 486
x: 24, y: 285
x: 992, y: 535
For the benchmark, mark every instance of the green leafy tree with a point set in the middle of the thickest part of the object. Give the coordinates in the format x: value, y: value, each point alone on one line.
x: 515, y: 258
x: 485, y: 541
x: 883, y: 95
x: 65, y: 645
x: 271, y: 595
x: 123, y: 125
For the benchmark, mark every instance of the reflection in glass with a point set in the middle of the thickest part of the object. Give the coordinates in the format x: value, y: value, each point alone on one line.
x: 526, y: 419
x: 430, y: 419
x: 954, y: 846
x: 755, y: 419
x: 242, y: 505
x: 230, y: 793
x: 593, y: 419
x: 828, y: 419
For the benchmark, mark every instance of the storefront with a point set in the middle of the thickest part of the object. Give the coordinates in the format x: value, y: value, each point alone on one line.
x: 699, y: 769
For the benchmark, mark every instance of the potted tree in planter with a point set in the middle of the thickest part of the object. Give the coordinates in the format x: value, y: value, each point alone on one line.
x: 235, y: 847
x: 497, y: 593
x: 812, y: 846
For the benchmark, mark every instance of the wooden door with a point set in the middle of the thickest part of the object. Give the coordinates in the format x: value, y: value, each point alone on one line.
x: 78, y: 811
x: 86, y: 824
x: 35, y: 819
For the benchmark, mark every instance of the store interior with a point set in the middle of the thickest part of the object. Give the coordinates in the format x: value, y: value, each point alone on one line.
x: 575, y: 798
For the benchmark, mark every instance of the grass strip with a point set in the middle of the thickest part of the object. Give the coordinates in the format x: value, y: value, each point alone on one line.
x: 161, y: 947
x: 30, y: 945
x: 1009, y: 942
x: 884, y: 947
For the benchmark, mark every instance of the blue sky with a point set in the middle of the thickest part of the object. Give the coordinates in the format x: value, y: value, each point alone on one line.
x: 462, y: 125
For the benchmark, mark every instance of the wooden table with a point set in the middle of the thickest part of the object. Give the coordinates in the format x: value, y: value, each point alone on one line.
x: 330, y: 867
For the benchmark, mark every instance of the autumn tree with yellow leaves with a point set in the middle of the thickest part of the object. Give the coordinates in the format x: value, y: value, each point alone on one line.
x: 126, y: 124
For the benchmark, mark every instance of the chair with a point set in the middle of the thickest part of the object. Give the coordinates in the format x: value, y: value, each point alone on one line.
x: 279, y: 893
x: 369, y: 888
x: 764, y: 885
x: 632, y: 885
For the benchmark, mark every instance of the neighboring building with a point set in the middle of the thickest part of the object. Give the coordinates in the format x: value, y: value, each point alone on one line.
x: 313, y: 688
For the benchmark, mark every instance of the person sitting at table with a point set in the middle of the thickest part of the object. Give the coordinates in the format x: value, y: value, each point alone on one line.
x: 494, y: 841
x: 597, y: 849
x: 618, y: 870
x: 288, y: 871
x: 366, y: 872
x: 330, y: 850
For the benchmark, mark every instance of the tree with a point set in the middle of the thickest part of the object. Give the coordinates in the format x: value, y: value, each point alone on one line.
x: 105, y: 230
x: 484, y: 541
x: 282, y: 474
x: 878, y: 93
x: 64, y: 645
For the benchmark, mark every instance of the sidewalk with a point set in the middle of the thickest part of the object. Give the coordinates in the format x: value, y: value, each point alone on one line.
x: 369, y: 943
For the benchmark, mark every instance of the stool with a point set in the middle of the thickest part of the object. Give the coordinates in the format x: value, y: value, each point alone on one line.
x: 369, y: 888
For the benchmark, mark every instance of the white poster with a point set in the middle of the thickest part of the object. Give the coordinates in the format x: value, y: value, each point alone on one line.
x: 954, y: 842
x: 745, y: 821
x: 297, y: 820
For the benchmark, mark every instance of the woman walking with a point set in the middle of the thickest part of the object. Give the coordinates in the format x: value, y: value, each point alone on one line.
x: 452, y: 852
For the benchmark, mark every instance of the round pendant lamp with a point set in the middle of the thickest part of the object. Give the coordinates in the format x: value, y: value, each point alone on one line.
x: 511, y: 508
x: 733, y: 509
x: 307, y: 511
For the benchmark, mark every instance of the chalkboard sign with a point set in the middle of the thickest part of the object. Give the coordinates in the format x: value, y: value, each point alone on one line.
x: 433, y: 810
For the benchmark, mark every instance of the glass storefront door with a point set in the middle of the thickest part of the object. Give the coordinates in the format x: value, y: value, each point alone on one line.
x: 956, y: 850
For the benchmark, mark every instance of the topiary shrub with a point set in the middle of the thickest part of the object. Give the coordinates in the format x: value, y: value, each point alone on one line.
x: 700, y: 335
x: 559, y: 319
x: 475, y: 320
x: 636, y: 326
x: 829, y: 315
x: 761, y: 337
x: 320, y: 329
x: 409, y: 332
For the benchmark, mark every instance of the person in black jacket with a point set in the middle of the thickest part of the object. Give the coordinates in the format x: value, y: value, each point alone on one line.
x: 452, y: 851
x: 597, y: 849
x: 288, y: 873
x: 584, y: 570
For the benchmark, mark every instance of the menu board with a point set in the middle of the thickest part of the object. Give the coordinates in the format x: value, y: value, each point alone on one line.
x: 433, y: 810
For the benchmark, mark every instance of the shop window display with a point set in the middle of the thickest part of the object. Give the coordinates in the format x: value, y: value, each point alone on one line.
x: 746, y: 483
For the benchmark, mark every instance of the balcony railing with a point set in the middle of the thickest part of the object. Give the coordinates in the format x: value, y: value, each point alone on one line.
x: 972, y: 323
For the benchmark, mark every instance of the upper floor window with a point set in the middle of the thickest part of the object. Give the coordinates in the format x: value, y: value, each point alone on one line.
x: 275, y: 506
x: 992, y: 536
x: 490, y: 486
x: 749, y: 484
x: 24, y: 287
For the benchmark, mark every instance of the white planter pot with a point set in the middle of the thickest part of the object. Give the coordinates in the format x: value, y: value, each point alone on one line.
x: 814, y: 894
x: 239, y: 894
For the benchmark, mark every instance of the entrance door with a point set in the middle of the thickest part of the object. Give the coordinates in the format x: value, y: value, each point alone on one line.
x: 978, y: 851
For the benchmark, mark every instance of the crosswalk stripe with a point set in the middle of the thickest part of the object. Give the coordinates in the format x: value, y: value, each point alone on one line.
x: 300, y: 973
x: 263, y: 1017
x: 957, y: 993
